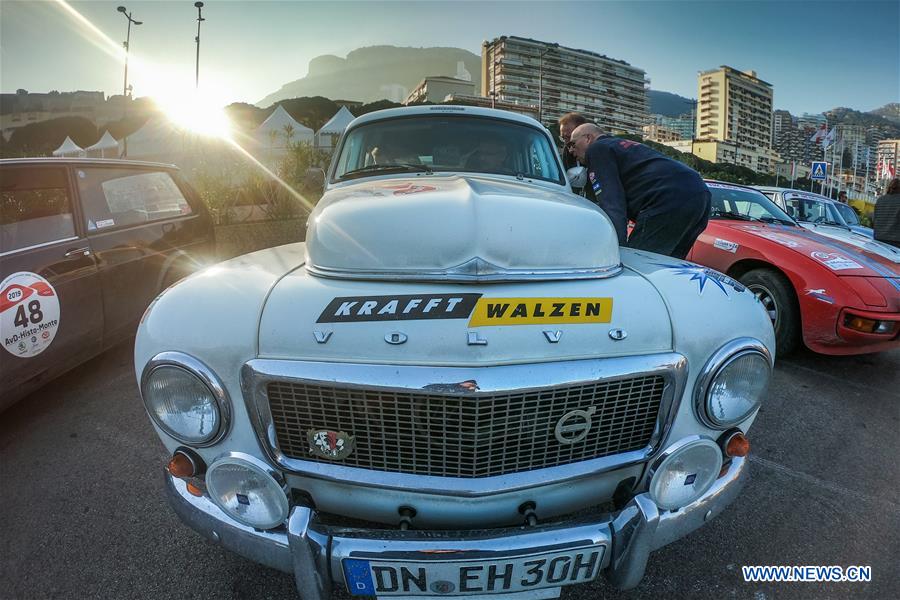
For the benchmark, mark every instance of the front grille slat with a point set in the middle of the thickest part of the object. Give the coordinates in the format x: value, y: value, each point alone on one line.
x: 465, y: 436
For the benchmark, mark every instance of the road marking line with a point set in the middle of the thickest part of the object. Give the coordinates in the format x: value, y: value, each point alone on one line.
x: 832, y: 487
x: 837, y: 378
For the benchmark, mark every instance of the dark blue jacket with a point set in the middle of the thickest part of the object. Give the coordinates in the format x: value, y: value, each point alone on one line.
x: 628, y: 178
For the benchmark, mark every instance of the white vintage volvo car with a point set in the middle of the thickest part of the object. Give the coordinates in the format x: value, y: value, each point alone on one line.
x: 460, y: 384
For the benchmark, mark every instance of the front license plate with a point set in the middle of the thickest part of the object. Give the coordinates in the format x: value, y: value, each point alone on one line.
x: 468, y: 577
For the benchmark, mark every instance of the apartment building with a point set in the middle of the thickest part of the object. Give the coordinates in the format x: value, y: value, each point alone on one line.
x: 735, y: 110
x: 559, y: 80
x: 760, y: 160
x: 438, y: 88
x: 658, y: 133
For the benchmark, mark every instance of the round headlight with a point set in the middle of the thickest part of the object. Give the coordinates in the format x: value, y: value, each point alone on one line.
x: 183, y: 404
x: 733, y: 383
x: 685, y: 472
x: 247, y: 492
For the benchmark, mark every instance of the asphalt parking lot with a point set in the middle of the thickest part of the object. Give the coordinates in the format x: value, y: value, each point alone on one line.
x: 84, y: 517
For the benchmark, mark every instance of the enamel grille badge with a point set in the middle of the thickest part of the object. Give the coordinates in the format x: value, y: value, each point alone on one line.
x: 333, y: 445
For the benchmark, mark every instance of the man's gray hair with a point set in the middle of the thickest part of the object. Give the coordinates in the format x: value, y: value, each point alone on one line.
x: 592, y: 128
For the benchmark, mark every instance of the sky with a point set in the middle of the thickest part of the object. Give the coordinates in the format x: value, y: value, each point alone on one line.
x: 817, y: 54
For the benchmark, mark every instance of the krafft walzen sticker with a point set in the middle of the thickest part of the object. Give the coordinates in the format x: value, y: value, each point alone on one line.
x: 398, y: 308
x: 541, y: 311
x: 29, y: 314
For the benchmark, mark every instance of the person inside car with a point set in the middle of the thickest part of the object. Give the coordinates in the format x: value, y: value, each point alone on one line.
x: 490, y: 156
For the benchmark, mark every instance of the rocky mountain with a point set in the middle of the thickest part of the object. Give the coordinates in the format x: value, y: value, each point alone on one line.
x: 377, y: 72
x: 891, y: 112
x: 668, y: 104
x: 871, y: 120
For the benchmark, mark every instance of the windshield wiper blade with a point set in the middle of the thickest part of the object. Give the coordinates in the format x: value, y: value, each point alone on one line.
x: 403, y: 167
x: 776, y: 220
x: 733, y: 215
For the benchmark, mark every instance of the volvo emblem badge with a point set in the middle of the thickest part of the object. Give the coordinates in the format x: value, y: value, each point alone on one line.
x: 333, y: 445
x: 322, y: 337
x: 574, y: 426
x: 618, y: 334
x: 476, y: 340
x: 553, y: 336
x: 396, y: 338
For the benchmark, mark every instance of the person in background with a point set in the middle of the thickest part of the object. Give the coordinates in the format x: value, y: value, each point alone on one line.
x: 667, y: 200
x: 567, y: 124
x: 842, y: 197
x: 887, y: 215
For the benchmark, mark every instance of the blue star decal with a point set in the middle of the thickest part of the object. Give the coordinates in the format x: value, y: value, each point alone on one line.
x: 704, y: 274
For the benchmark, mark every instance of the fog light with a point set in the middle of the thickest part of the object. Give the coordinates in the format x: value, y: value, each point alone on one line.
x: 684, y: 472
x: 868, y: 325
x: 246, y: 490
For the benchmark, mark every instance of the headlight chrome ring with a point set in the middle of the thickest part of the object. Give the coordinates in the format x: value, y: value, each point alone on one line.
x: 206, y: 377
x: 717, y: 365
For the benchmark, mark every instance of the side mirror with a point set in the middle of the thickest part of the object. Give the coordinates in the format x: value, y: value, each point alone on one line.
x: 315, y: 179
x: 577, y: 176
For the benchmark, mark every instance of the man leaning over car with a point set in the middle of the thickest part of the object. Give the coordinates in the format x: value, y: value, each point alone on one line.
x: 667, y: 200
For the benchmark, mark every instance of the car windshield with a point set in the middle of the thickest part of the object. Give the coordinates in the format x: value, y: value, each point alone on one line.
x: 742, y: 204
x: 848, y: 214
x: 808, y: 209
x: 435, y: 143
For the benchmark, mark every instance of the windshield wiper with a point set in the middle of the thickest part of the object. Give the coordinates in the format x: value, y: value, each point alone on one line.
x: 401, y: 167
x: 776, y: 220
x: 733, y: 215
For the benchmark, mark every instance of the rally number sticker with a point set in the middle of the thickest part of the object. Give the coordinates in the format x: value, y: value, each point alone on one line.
x: 29, y: 314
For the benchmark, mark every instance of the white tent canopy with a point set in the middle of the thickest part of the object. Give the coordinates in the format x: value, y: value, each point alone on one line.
x: 328, y: 135
x: 106, y: 147
x: 158, y: 140
x: 281, y: 128
x: 69, y: 148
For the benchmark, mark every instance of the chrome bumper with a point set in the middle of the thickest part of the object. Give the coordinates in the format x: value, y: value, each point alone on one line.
x: 313, y: 552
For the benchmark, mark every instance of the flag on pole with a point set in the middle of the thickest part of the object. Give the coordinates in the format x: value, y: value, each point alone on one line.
x: 820, y: 133
x: 793, y: 169
x: 829, y: 139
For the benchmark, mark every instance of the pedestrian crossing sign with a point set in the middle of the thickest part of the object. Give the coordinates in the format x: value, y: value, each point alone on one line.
x: 818, y: 170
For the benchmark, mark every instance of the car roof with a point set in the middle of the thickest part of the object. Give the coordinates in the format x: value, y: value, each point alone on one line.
x: 114, y: 162
x: 808, y: 194
x: 476, y: 111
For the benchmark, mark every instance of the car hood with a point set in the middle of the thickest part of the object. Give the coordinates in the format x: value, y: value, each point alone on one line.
x: 842, y: 257
x: 458, y: 228
x: 856, y: 239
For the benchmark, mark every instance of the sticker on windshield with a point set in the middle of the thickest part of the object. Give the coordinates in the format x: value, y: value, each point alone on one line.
x: 835, y: 261
x: 725, y: 186
x: 29, y: 314
x: 726, y: 245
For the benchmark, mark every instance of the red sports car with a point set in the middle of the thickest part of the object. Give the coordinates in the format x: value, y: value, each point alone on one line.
x: 836, y: 297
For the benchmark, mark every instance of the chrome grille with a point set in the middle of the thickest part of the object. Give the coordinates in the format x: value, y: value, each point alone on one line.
x: 469, y: 435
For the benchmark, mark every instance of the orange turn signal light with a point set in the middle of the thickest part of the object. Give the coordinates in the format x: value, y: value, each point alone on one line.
x: 193, y: 490
x: 180, y: 466
x: 738, y: 445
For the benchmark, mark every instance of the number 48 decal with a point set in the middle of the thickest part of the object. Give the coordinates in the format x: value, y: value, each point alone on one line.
x: 29, y: 314
x: 34, y: 316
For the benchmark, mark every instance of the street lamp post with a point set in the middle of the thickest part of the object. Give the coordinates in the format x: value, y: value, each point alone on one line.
x: 541, y: 81
x: 200, y: 19
x: 127, y: 45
